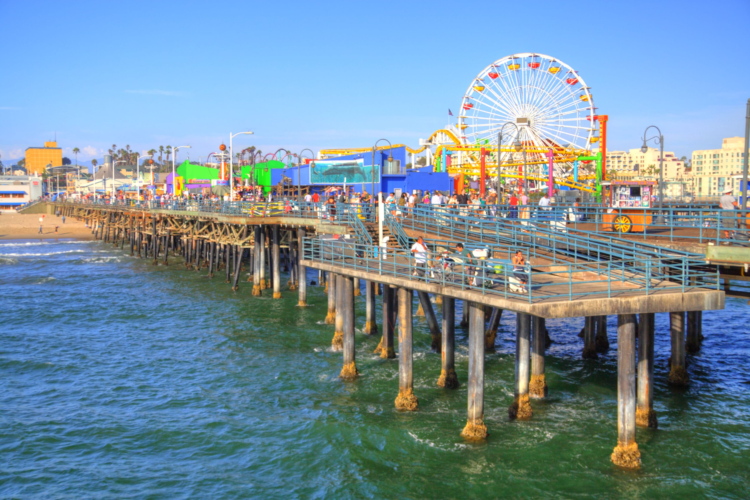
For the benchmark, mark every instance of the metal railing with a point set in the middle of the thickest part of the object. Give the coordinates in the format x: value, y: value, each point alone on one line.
x: 497, y: 277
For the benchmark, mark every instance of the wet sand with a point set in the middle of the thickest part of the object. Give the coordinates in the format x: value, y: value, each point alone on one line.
x: 15, y: 226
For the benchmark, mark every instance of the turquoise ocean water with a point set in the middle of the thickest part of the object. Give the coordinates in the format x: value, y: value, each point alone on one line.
x: 125, y: 380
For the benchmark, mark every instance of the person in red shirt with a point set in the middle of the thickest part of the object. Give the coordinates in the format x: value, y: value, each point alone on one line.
x: 513, y: 202
x: 315, y: 198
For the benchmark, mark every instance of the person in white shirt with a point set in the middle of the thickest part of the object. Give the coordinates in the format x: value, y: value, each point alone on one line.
x: 728, y: 202
x: 436, y: 198
x: 419, y: 250
x: 544, y: 202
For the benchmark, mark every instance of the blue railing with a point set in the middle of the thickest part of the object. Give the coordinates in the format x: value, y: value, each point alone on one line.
x: 495, y: 276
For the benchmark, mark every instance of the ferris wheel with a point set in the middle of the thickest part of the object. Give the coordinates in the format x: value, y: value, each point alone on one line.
x: 546, y: 99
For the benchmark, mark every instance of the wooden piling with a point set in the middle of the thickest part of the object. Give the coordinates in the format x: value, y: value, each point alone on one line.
x: 302, y: 278
x: 257, y: 288
x: 448, y: 378
x: 465, y: 314
x: 601, y: 341
x: 349, y: 370
x: 490, y: 334
x: 475, y: 429
x: 678, y: 375
x: 337, y: 343
x: 406, y: 400
x: 694, y: 331
x: 386, y: 348
x: 371, y: 326
x: 357, y: 291
x: 432, y: 322
x: 521, y: 407
x: 276, y: 259
x: 626, y: 453
x: 538, y: 383
x: 645, y: 416
x: 331, y: 285
x: 589, y: 339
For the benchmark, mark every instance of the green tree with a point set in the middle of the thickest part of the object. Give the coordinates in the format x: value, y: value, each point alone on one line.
x: 75, y: 152
x: 168, y: 151
x: 94, y: 163
x: 161, y: 154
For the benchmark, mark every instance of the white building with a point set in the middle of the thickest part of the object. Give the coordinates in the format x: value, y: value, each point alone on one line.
x: 717, y: 169
x: 636, y: 165
x: 17, y: 190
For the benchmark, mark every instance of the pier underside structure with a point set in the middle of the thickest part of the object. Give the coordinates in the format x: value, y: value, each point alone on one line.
x: 564, y: 277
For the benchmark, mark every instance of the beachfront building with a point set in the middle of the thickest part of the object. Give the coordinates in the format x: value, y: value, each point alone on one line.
x: 37, y: 159
x: 17, y: 190
x: 636, y: 165
x: 715, y: 170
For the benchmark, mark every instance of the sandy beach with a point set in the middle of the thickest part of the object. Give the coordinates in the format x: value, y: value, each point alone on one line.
x: 15, y: 226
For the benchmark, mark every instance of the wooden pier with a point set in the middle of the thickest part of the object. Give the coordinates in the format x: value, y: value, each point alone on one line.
x: 266, y: 243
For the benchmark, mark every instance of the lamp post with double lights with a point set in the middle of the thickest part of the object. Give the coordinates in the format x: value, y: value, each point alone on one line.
x: 174, y: 158
x: 138, y: 172
x: 231, y: 166
x: 658, y: 139
x: 517, y: 145
x: 299, y: 175
x: 112, y: 196
x: 374, y: 165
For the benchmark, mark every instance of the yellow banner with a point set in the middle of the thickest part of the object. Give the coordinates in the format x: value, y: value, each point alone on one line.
x: 179, y: 185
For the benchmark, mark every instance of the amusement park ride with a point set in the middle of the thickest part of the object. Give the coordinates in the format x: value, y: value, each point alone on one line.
x: 527, y: 121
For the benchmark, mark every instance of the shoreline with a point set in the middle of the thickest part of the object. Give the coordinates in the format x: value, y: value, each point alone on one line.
x: 15, y: 226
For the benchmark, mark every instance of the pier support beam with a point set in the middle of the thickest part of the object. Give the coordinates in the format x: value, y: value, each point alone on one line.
x: 257, y: 286
x: 678, y: 375
x: 262, y: 267
x: 626, y: 453
x: 337, y: 343
x: 465, y: 314
x: 331, y: 287
x: 349, y: 371
x: 521, y: 407
x: 302, y: 278
x: 371, y: 326
x: 601, y: 341
x: 386, y: 348
x: 694, y: 331
x: 432, y: 322
x: 357, y: 291
x: 406, y: 400
x: 475, y: 429
x: 645, y: 416
x: 589, y: 339
x: 448, y: 378
x: 538, y: 384
x: 276, y: 259
x: 490, y: 335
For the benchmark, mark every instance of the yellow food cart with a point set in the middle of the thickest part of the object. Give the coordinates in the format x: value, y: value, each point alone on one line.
x: 629, y: 205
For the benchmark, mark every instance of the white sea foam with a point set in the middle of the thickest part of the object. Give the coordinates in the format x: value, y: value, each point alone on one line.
x: 40, y: 254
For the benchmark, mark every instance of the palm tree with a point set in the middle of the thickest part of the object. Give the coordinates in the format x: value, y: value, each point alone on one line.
x: 75, y: 152
x: 94, y: 163
x: 168, y: 150
x: 161, y: 152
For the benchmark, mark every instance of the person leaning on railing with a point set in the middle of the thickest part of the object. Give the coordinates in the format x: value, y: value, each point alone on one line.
x: 419, y: 250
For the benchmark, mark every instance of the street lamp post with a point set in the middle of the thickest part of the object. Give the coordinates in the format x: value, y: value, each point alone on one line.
x: 138, y: 172
x: 174, y: 157
x: 499, y: 144
x: 299, y: 175
x: 658, y: 139
x: 374, y: 166
x: 231, y: 180
x: 112, y: 196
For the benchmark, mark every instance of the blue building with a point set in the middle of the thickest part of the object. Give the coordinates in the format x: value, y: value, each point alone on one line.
x: 393, y: 174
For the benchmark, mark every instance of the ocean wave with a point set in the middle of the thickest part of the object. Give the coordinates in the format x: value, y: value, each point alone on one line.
x: 8, y: 261
x: 6, y: 255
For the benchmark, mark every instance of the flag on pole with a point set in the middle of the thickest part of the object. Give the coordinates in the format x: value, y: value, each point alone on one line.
x: 450, y: 113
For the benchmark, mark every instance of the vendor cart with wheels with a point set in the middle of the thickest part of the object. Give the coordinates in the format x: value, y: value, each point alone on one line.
x: 629, y: 205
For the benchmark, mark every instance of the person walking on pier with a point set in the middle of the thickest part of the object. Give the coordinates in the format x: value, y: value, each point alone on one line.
x: 728, y: 204
x: 419, y: 250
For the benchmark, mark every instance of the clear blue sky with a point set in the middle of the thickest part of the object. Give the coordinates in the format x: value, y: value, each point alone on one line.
x: 344, y: 74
